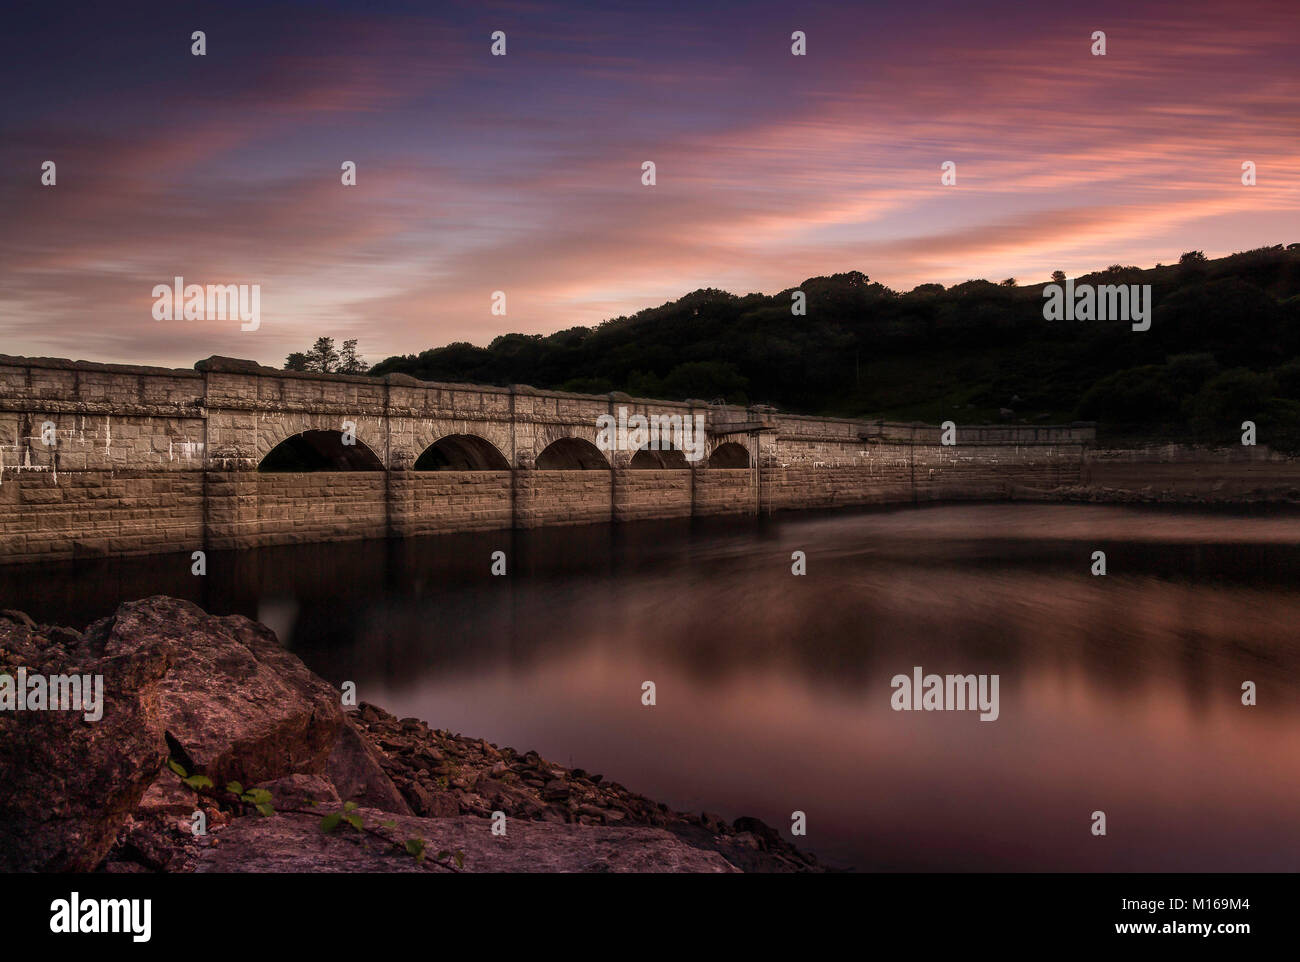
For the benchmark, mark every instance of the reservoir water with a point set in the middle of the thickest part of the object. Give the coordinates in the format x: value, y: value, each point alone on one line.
x: 1119, y: 693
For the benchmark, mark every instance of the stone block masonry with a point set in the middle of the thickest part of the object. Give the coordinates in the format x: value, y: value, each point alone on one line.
x: 150, y: 460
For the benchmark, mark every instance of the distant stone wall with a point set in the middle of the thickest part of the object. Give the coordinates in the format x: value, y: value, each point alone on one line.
x: 1178, y: 472
x: 642, y: 495
x: 563, y: 497
x: 149, y: 460
x: 726, y: 491
x: 437, y: 502
x: 319, y: 506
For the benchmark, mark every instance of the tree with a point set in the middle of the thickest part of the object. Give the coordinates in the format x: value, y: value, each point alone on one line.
x: 1192, y: 257
x: 1009, y: 282
x: 1058, y: 277
x: 323, y: 358
x: 349, y: 361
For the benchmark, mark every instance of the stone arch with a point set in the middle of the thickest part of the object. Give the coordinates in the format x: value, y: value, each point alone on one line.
x: 462, y: 452
x: 319, y: 451
x: 571, y: 454
x: 274, y: 430
x: 665, y: 459
x: 417, y: 435
x: 729, y: 454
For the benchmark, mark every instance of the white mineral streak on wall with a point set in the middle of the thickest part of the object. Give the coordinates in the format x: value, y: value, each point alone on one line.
x: 23, y: 462
x: 185, y: 450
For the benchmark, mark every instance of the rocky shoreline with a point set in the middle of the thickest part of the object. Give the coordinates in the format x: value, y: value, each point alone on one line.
x: 440, y: 774
x: 195, y: 705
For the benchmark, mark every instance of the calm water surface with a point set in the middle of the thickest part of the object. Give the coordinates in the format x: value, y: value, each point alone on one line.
x: 1120, y: 694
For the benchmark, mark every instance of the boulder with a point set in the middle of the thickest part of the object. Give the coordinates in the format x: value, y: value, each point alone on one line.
x: 236, y: 705
x: 67, y: 784
x: 218, y: 694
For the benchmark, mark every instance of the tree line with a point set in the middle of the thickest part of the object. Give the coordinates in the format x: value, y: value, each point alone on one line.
x: 323, y: 358
x: 1224, y: 347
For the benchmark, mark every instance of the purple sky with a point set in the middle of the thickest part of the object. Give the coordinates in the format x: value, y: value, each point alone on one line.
x: 523, y: 173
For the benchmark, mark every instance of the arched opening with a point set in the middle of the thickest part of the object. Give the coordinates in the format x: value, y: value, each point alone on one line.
x: 668, y: 459
x: 571, y: 454
x: 462, y: 452
x: 729, y: 455
x: 320, y: 451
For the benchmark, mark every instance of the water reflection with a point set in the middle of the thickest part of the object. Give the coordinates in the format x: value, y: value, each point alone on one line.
x: 1119, y: 693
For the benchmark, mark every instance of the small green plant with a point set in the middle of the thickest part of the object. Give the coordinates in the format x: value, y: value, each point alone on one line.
x: 260, y: 800
x: 414, y: 847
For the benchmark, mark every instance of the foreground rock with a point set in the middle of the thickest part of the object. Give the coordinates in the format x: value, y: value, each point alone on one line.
x: 219, y: 695
x: 68, y: 785
x: 223, y: 699
x: 287, y: 843
x: 235, y: 703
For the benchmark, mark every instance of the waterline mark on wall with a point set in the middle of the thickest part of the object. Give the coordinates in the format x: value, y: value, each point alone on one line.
x: 211, y: 302
x: 655, y: 432
x: 919, y: 692
x: 36, y: 692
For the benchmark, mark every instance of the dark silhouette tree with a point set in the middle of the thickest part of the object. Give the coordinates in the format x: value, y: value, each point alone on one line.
x: 349, y: 361
x: 323, y: 358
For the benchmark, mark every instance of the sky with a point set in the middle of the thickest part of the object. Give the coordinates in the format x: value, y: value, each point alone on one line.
x: 523, y: 173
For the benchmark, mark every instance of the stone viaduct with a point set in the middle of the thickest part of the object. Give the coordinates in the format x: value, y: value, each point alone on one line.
x: 102, y: 459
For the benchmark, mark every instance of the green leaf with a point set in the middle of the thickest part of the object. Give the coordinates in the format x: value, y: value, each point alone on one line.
x: 234, y: 788
x: 443, y: 854
x: 198, y: 781
x: 354, y: 821
x: 331, y: 822
x: 266, y: 809
x: 460, y: 859
x: 177, y: 767
x: 349, y: 806
x: 415, y: 846
x: 388, y: 824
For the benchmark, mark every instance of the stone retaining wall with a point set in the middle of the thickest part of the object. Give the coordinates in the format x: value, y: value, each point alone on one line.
x: 145, y: 460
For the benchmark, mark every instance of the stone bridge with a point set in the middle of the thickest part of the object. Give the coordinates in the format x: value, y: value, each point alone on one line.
x: 111, y: 459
